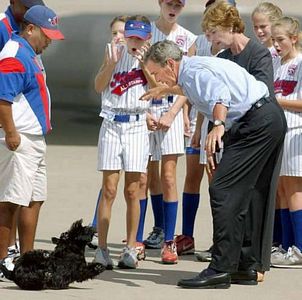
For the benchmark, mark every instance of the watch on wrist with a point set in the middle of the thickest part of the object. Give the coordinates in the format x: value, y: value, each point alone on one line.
x: 218, y: 122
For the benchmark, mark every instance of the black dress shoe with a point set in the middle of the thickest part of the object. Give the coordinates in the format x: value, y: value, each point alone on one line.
x: 246, y: 277
x: 207, y: 280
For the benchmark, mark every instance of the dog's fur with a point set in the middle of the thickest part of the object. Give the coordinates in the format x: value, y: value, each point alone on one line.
x: 42, y: 269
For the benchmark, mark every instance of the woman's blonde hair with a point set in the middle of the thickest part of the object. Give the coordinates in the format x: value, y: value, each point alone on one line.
x: 269, y: 9
x: 292, y: 28
x: 222, y: 15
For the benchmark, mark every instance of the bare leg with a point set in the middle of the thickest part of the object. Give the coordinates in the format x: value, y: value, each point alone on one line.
x: 131, y: 192
x: 109, y: 189
x: 13, y: 232
x: 27, y: 225
x: 7, y: 211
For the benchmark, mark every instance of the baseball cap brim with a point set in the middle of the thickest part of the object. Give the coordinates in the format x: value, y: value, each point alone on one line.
x: 53, y: 34
x: 182, y: 2
x: 137, y: 33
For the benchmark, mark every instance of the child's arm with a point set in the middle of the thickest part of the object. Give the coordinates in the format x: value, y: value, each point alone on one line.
x: 293, y: 105
x: 111, y: 58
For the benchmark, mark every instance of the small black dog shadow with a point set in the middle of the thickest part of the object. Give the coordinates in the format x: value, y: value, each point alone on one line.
x: 43, y: 269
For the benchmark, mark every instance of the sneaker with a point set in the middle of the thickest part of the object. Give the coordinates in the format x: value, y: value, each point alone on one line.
x: 102, y: 256
x: 204, y: 256
x: 140, y: 251
x: 291, y: 259
x: 169, y: 253
x: 13, y: 251
x: 155, y: 238
x: 277, y: 254
x: 8, y: 264
x: 94, y: 242
x: 128, y: 259
x: 185, y: 244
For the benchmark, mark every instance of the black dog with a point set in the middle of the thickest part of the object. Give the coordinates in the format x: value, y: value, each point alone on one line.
x: 42, y: 269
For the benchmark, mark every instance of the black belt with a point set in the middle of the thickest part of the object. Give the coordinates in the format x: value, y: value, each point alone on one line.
x: 259, y: 103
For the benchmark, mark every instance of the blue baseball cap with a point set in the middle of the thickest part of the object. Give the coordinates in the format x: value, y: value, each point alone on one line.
x: 137, y: 29
x: 30, y: 3
x: 46, y: 19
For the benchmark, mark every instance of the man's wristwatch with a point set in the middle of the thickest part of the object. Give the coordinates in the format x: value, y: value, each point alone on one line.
x: 218, y: 122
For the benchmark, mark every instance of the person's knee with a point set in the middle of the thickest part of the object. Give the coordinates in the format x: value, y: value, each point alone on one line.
x: 109, y: 193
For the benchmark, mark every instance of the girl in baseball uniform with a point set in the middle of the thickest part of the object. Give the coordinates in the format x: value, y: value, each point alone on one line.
x: 288, y: 89
x: 123, y: 138
x: 166, y: 139
x: 117, y: 27
x: 263, y: 16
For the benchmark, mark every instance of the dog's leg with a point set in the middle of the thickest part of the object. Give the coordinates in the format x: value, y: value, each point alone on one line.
x: 90, y: 271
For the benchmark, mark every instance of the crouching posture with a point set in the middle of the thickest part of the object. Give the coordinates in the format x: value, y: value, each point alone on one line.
x: 42, y: 269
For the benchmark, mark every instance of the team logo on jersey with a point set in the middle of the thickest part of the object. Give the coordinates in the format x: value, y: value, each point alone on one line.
x: 291, y: 70
x: 180, y: 40
x: 284, y: 87
x: 123, y: 81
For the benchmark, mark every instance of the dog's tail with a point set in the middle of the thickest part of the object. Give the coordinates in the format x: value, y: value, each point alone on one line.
x: 7, y: 273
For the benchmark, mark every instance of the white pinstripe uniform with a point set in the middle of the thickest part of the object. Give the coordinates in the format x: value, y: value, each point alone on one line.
x: 275, y: 56
x: 124, y: 145
x: 203, y: 48
x: 288, y: 85
x: 171, y: 141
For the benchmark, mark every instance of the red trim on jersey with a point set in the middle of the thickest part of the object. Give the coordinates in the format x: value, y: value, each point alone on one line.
x: 286, y: 87
x: 7, y: 25
x: 45, y: 100
x: 11, y: 65
x: 127, y: 80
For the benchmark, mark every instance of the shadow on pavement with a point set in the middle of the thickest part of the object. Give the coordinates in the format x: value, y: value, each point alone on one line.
x: 162, y: 277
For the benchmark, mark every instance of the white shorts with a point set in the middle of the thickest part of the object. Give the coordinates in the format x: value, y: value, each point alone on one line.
x: 23, y: 172
x: 123, y: 146
x: 292, y: 153
x: 170, y: 141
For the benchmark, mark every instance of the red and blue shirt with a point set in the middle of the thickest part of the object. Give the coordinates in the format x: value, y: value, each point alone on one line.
x: 22, y: 83
x: 8, y: 25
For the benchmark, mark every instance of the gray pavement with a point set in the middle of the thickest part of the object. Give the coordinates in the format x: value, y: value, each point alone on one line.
x: 73, y: 188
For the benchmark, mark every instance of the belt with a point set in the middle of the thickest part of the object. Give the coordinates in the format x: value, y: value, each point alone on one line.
x: 160, y: 101
x: 127, y: 118
x: 259, y: 103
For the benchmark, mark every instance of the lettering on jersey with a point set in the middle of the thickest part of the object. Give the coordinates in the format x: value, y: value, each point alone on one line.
x: 181, y: 40
x: 123, y: 81
x: 284, y: 87
x: 291, y: 70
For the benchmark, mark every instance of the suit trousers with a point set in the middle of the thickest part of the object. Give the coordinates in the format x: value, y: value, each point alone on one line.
x: 245, y: 183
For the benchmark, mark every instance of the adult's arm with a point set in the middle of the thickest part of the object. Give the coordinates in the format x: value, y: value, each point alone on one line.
x: 12, y: 138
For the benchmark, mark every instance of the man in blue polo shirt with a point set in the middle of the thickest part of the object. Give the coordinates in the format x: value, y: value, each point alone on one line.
x: 10, y: 22
x: 252, y: 128
x: 25, y: 119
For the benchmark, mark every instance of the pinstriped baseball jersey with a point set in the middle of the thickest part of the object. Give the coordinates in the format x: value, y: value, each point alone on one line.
x: 275, y: 57
x: 203, y: 46
x: 127, y: 84
x: 288, y: 85
x: 124, y: 145
x: 181, y: 36
x: 171, y: 141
